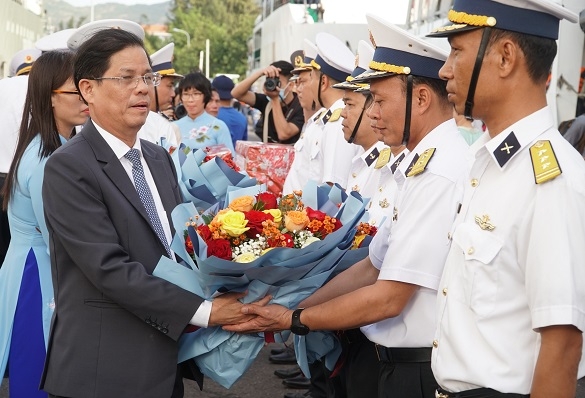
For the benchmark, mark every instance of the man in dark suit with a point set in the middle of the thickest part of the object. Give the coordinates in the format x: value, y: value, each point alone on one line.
x: 115, y: 327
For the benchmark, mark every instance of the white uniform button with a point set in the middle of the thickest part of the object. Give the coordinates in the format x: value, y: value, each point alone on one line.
x: 449, y: 236
x: 435, y: 343
x: 470, y: 251
x: 444, y: 291
x: 474, y: 182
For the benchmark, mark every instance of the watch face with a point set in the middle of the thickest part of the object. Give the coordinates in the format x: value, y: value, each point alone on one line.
x: 296, y: 326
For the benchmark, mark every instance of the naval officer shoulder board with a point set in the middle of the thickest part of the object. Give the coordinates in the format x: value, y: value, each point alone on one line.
x: 420, y: 163
x: 544, y: 162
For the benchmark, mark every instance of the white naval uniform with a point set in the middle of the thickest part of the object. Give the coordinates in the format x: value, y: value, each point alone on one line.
x: 382, y: 201
x: 302, y: 168
x: 363, y: 174
x: 12, y: 97
x: 518, y: 268
x: 157, y: 127
x: 331, y: 150
x: 425, y: 207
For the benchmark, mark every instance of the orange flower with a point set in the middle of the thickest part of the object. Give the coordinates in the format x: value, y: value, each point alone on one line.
x: 296, y: 220
x: 243, y: 203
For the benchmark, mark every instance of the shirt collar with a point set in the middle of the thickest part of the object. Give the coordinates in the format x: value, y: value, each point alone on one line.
x: 118, y: 146
x: 514, y: 139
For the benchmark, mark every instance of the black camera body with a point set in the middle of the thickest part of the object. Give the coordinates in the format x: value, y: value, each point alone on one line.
x: 272, y: 83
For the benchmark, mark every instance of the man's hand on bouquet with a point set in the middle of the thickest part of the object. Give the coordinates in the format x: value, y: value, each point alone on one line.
x: 227, y: 309
x: 266, y: 318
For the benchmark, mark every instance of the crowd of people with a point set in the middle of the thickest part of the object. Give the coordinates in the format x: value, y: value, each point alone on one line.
x: 471, y: 287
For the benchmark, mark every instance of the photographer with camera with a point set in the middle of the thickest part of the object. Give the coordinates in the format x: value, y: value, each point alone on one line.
x: 282, y: 115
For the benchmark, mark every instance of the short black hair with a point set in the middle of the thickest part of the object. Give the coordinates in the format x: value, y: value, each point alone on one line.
x: 539, y: 52
x: 93, y: 56
x: 438, y: 86
x: 199, y: 82
x: 285, y: 67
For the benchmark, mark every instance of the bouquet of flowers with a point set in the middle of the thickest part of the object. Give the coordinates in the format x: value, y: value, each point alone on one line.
x: 205, y: 175
x: 285, y: 248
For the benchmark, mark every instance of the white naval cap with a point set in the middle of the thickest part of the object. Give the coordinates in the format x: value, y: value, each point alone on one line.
x: 400, y: 53
x: 532, y: 17
x: 333, y: 59
x: 86, y: 31
x: 162, y: 61
x: 22, y: 61
x: 362, y: 62
x: 55, y: 41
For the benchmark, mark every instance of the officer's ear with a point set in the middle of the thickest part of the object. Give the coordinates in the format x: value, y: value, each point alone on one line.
x: 421, y: 98
x: 505, y: 55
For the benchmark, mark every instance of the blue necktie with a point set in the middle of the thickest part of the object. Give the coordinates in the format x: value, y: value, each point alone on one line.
x: 143, y: 190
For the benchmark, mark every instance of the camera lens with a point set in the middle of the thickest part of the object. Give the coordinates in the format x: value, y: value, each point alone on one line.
x: 271, y: 83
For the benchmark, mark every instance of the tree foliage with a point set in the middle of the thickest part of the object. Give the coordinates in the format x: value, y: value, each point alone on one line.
x: 228, y: 26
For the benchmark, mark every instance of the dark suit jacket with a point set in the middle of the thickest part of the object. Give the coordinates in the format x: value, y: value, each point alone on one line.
x: 115, y: 327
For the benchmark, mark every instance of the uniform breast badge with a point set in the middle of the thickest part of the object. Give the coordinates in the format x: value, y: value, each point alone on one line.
x: 544, y: 162
x: 395, y: 214
x: 484, y: 222
x: 384, y: 203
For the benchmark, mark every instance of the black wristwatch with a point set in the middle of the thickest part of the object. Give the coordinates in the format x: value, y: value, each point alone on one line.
x: 296, y: 326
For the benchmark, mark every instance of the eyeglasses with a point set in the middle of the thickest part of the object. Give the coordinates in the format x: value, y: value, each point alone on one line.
x: 150, y: 79
x: 72, y: 92
x: 66, y: 92
x: 194, y: 95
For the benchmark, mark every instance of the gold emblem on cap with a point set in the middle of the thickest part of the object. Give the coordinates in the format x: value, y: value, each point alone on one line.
x: 28, y: 59
x: 298, y: 61
x: 372, y: 39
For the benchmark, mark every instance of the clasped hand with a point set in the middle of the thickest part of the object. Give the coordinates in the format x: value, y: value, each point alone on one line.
x: 262, y: 318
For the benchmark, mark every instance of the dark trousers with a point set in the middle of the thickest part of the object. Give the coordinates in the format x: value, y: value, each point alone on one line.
x: 412, y: 380
x: 359, y: 374
x: 4, y: 229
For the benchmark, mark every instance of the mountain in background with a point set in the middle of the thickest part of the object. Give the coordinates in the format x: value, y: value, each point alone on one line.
x: 61, y: 14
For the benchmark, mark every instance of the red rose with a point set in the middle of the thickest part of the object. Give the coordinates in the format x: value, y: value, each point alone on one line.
x: 285, y: 240
x: 255, y: 219
x: 288, y: 240
x: 219, y: 248
x: 315, y: 214
x: 204, y: 231
x: 268, y: 200
x: 189, y: 245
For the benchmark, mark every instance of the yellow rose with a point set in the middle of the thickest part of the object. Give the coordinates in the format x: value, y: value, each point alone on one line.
x: 296, y: 220
x: 310, y: 240
x: 218, y: 217
x: 233, y: 223
x: 245, y: 258
x: 357, y: 241
x: 276, y: 213
x: 243, y: 203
